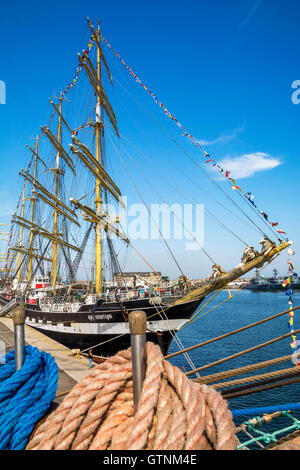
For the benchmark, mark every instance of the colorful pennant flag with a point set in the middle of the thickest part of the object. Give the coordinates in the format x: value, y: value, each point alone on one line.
x: 288, y: 282
x: 290, y: 265
x: 185, y: 133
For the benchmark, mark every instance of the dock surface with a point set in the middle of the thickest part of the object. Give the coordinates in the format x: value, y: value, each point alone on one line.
x: 71, y: 369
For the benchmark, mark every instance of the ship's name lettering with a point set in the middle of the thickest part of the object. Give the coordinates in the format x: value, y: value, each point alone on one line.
x: 100, y: 317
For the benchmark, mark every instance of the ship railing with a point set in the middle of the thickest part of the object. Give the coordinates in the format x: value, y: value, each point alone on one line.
x: 60, y: 306
x: 7, y: 307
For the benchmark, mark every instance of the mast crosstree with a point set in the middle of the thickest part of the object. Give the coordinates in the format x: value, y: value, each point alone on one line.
x: 103, y: 182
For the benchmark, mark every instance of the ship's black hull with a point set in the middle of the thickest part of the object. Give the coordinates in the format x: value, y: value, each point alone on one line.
x: 110, y: 343
x: 105, y: 327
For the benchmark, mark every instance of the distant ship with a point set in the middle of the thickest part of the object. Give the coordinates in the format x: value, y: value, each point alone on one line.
x: 262, y: 283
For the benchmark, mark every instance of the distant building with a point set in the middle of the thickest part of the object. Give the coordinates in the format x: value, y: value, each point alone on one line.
x: 134, y: 279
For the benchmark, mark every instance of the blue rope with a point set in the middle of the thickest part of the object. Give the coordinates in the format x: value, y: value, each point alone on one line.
x: 25, y: 395
x: 264, y: 409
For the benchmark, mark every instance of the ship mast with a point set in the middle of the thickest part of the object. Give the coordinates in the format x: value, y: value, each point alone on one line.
x: 20, y: 235
x: 95, y: 163
x: 32, y: 210
x: 57, y: 172
x: 99, y: 132
x: 48, y: 197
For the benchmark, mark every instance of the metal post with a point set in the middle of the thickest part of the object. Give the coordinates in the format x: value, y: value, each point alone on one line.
x: 137, y: 325
x: 19, y: 333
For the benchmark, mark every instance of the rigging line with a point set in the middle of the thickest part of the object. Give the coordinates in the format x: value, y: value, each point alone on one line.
x: 182, y: 223
x: 149, y: 212
x: 112, y: 252
x: 194, y: 141
x: 203, y: 306
x: 176, y: 185
x: 86, y: 270
x: 192, y: 159
x: 243, y: 370
x: 85, y: 98
x: 257, y: 213
x: 11, y: 264
x: 195, y: 317
x: 144, y: 259
x: 169, y: 356
x: 187, y: 176
x: 174, y: 335
x: 37, y: 265
x: 224, y: 192
x: 161, y: 197
x: 180, y: 344
x: 245, y: 351
x: 103, y: 342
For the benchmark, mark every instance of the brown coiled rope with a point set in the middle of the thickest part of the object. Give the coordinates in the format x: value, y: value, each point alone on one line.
x: 174, y: 413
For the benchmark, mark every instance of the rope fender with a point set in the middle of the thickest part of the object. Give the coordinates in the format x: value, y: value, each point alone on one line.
x: 25, y: 395
x: 174, y: 413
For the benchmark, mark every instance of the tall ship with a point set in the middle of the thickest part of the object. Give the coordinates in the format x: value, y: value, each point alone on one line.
x: 68, y: 216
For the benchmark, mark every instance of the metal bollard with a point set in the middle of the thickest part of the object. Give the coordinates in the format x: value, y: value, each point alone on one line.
x: 137, y: 325
x: 19, y: 333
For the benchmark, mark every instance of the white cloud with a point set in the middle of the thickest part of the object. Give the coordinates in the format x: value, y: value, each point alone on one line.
x: 248, y: 164
x: 223, y: 139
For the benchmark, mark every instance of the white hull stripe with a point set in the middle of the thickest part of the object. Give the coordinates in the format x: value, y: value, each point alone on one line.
x: 106, y: 328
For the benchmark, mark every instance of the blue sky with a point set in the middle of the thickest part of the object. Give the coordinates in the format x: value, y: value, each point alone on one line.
x: 224, y: 69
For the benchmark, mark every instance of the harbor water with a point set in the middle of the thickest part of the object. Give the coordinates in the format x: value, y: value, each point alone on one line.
x: 244, y: 308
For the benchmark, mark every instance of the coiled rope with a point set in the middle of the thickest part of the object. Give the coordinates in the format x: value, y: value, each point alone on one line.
x: 174, y: 413
x: 25, y: 395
